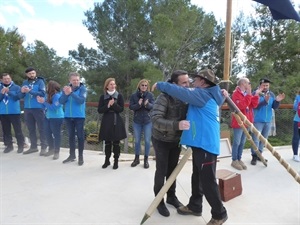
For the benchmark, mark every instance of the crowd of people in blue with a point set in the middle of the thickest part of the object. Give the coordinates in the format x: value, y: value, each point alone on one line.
x: 183, y: 114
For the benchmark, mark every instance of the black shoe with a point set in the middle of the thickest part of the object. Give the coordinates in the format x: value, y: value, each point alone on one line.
x: 174, y: 202
x: 69, y: 159
x: 254, y: 160
x: 106, y: 164
x: 31, y: 150
x: 184, y: 210
x: 258, y: 159
x: 20, y: 150
x: 80, y: 161
x: 135, y: 163
x: 163, y: 210
x: 115, y: 166
x: 8, y: 149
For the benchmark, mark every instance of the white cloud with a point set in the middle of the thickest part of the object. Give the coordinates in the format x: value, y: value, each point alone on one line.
x: 61, y: 36
x: 84, y: 4
x: 27, y: 7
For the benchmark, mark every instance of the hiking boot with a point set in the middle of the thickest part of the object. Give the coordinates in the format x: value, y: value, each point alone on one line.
x: 174, y: 202
x: 235, y: 164
x: 69, y: 159
x: 217, y: 222
x: 8, y: 149
x: 242, y: 164
x: 254, y: 160
x: 31, y: 150
x: 163, y: 210
x: 184, y: 210
x: 56, y: 156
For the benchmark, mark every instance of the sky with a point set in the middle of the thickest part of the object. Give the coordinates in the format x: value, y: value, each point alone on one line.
x: 58, y: 23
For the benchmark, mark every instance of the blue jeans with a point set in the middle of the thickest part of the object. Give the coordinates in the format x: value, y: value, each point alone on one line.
x: 75, y: 127
x: 264, y: 129
x: 239, y: 139
x: 52, y: 132
x: 138, y: 129
x: 295, y: 139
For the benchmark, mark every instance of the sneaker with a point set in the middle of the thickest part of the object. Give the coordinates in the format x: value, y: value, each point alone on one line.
x: 296, y: 158
x: 8, y: 149
x: 217, y: 222
x: 174, y: 202
x: 56, y: 156
x: 69, y: 159
x: 184, y: 210
x: 163, y: 210
x: 242, y: 164
x: 235, y: 164
x: 31, y: 150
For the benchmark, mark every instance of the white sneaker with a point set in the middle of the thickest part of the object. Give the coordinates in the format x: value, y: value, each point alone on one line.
x: 296, y: 158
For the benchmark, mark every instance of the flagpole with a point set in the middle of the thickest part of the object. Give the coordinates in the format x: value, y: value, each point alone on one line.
x: 227, y: 52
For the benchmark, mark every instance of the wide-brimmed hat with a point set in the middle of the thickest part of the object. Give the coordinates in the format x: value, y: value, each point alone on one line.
x: 206, y: 74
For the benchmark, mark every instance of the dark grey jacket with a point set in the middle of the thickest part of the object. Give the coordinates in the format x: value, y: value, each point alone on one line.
x: 165, y: 115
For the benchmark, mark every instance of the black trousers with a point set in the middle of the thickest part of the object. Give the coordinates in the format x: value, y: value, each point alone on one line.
x: 15, y: 121
x: 204, y: 183
x: 167, y: 156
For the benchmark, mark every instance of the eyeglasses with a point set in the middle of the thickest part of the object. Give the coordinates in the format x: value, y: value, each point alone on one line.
x: 144, y: 85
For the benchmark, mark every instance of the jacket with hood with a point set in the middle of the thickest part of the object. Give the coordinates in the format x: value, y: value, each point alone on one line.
x: 203, y: 114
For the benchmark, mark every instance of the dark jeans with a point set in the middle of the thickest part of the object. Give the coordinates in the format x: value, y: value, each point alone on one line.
x: 167, y: 156
x: 33, y: 118
x: 295, y: 139
x: 15, y: 121
x: 52, y: 132
x: 75, y: 127
x: 204, y: 183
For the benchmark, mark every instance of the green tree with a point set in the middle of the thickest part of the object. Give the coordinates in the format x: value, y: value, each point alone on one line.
x: 12, y: 53
x: 273, y: 50
x: 48, y: 64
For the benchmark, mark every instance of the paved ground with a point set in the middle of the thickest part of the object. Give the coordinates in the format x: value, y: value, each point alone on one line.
x: 37, y: 190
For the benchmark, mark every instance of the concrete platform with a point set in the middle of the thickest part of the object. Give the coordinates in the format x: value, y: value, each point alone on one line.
x: 37, y: 190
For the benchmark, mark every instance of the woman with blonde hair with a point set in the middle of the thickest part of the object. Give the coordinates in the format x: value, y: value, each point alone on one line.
x: 141, y: 102
x: 112, y: 129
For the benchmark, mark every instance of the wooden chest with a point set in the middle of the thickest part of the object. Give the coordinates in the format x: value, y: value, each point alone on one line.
x: 230, y: 184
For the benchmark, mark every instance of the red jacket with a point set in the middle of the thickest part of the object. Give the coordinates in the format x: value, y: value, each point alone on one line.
x: 246, y: 103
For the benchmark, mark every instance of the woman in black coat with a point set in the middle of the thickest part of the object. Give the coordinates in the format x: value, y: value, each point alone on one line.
x: 112, y: 129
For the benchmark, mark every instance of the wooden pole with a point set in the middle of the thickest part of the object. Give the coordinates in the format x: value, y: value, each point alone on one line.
x: 227, y: 48
x: 167, y: 185
x: 286, y: 165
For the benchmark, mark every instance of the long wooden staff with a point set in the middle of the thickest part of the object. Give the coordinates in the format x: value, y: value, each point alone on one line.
x: 286, y: 165
x: 167, y: 185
